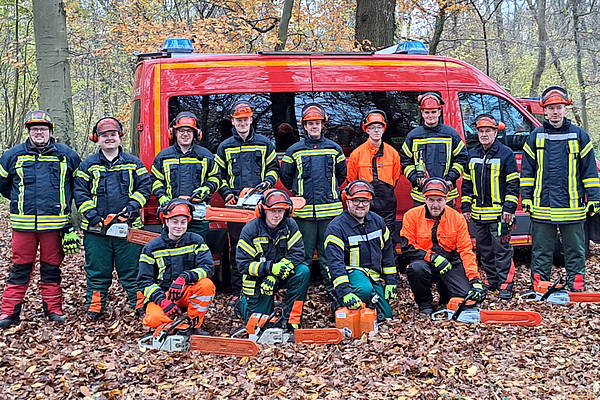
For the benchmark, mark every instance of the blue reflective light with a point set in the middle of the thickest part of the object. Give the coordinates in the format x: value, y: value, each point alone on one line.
x: 178, y: 45
x: 412, y: 47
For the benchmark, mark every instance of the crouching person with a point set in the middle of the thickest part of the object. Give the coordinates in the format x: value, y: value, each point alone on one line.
x: 435, y: 240
x: 270, y: 255
x: 360, y: 254
x: 175, y: 269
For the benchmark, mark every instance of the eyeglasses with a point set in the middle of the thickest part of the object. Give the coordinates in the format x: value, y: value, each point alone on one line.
x: 184, y: 130
x: 39, y: 129
x: 360, y: 202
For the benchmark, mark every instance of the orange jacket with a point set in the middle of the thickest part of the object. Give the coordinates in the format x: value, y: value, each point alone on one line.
x: 360, y: 164
x: 452, y: 235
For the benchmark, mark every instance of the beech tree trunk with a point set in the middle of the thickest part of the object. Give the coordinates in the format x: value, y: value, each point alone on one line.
x: 284, y: 22
x: 540, y: 17
x: 375, y: 23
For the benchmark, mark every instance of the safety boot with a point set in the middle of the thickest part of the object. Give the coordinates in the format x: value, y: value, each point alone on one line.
x: 93, y: 316
x: 426, y: 309
x: 54, y: 317
x: 6, y: 321
x: 505, y: 294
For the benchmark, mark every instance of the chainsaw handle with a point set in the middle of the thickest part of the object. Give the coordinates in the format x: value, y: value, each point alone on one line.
x: 554, y: 288
x: 461, y: 307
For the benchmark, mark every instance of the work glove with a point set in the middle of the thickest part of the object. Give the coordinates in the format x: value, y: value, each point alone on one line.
x: 128, y: 210
x: 477, y: 292
x: 282, y: 269
x: 264, y: 185
x: 527, y: 206
x: 200, y: 194
x: 593, y: 207
x: 70, y: 242
x: 176, y: 289
x: 230, y: 199
x: 504, y: 232
x: 391, y: 291
x: 268, y: 285
x: 94, y: 221
x: 164, y: 199
x: 351, y: 301
x: 170, y: 309
x: 441, y: 263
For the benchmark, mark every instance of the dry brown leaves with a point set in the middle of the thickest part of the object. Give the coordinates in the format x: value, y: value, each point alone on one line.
x: 411, y: 357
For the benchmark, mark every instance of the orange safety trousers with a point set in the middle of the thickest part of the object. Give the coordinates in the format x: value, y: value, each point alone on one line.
x: 196, y: 298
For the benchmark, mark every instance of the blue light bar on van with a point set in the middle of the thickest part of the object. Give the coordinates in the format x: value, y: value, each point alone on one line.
x: 412, y: 47
x: 178, y: 45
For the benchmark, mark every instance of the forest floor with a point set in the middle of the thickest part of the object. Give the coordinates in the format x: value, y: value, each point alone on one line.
x: 411, y: 356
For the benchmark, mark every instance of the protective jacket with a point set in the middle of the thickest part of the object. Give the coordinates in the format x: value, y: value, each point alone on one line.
x: 314, y: 169
x: 39, y: 184
x: 380, y: 166
x: 558, y: 172
x: 448, y: 236
x: 491, y: 183
x: 246, y: 163
x: 175, y: 173
x: 105, y: 187
x: 366, y: 246
x: 440, y: 150
x: 163, y: 260
x: 260, y: 247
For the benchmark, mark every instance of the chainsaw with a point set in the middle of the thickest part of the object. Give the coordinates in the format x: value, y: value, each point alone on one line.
x: 249, y: 197
x: 463, y: 310
x: 557, y: 294
x: 116, y: 225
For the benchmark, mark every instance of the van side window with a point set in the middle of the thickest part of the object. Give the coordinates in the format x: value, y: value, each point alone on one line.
x: 133, y: 128
x: 517, y: 125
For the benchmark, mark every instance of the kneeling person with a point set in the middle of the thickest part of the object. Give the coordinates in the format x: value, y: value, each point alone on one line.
x: 175, y: 269
x: 435, y: 240
x: 270, y: 255
x: 360, y: 254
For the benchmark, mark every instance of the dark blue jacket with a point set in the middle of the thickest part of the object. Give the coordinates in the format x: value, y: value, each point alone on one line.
x: 246, y: 163
x: 103, y: 187
x: 491, y: 183
x: 260, y: 247
x: 177, y: 174
x: 39, y: 184
x: 558, y: 173
x: 163, y: 260
x: 366, y: 247
x: 314, y: 169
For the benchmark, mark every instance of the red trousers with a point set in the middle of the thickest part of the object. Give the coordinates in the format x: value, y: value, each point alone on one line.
x: 25, y: 247
x: 196, y: 298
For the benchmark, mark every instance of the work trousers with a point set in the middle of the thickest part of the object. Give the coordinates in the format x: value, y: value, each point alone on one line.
x: 313, y: 236
x: 422, y: 275
x: 234, y: 229
x: 366, y: 289
x: 496, y: 257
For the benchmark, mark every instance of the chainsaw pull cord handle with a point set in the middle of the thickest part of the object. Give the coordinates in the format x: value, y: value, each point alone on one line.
x: 554, y: 288
x: 461, y: 307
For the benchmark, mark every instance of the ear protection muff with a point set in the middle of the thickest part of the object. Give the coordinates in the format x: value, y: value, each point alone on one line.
x: 366, y: 187
x: 94, y: 135
x: 367, y: 121
x: 488, y: 120
x: 171, y: 130
x: 259, y: 209
x: 167, y: 208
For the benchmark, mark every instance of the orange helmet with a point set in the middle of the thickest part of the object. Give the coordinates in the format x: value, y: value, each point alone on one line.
x: 358, y: 189
x: 274, y: 199
x: 174, y: 208
x: 313, y: 112
x: 430, y: 100
x: 374, y: 116
x: 555, y: 95
x: 187, y: 119
x: 435, y: 187
x: 242, y: 109
x: 487, y: 120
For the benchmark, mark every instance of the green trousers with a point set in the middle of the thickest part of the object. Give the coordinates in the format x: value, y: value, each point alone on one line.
x: 313, y: 235
x: 543, y: 239
x: 102, y: 254
x: 365, y: 288
x: 296, y: 286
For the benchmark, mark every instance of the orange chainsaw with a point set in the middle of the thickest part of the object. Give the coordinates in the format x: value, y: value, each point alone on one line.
x: 464, y: 310
x: 249, y: 197
x: 557, y: 294
x: 116, y: 225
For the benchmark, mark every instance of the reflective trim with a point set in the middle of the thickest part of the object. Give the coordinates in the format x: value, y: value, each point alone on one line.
x: 340, y: 280
x: 336, y: 240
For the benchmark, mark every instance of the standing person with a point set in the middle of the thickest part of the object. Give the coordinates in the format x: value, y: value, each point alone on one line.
x: 490, y: 195
x: 559, y: 184
x: 378, y: 163
x: 246, y: 159
x: 435, y: 240
x: 175, y: 270
x: 314, y: 168
x: 185, y: 168
x: 360, y: 254
x: 110, y: 182
x: 432, y: 150
x: 270, y: 255
x: 37, y: 177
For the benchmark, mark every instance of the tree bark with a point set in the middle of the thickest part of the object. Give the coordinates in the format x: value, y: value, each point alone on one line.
x: 578, y: 57
x: 54, y: 84
x: 563, y: 80
x: 375, y: 23
x: 440, y: 19
x: 540, y: 18
x: 284, y: 22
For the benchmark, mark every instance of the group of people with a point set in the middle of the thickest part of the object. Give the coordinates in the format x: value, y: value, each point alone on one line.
x: 349, y: 218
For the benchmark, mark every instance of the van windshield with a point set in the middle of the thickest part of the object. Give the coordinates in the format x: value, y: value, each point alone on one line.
x: 277, y: 115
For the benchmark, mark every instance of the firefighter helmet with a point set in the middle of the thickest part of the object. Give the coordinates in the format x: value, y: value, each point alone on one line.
x: 38, y: 117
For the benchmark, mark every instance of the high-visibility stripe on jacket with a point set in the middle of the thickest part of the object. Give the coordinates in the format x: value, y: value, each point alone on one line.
x: 260, y: 247
x: 105, y: 187
x: 39, y: 185
x: 175, y: 173
x: 558, y: 172
x: 443, y: 153
x: 452, y: 236
x: 314, y: 169
x: 246, y: 163
x: 491, y: 183
x: 162, y: 260
x: 360, y: 164
x: 366, y: 246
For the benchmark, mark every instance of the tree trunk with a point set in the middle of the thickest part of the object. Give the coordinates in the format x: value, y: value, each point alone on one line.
x: 375, y: 23
x: 282, y: 32
x: 563, y: 80
x: 54, y: 84
x: 578, y: 56
x: 440, y: 19
x: 540, y: 17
